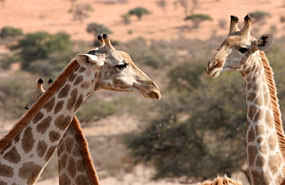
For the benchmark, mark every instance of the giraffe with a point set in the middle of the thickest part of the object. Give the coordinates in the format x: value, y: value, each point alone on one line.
x: 26, y: 149
x: 72, y: 148
x: 265, y: 142
x: 221, y: 181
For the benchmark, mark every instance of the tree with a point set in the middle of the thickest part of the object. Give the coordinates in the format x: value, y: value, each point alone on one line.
x: 199, y: 130
x: 80, y: 11
x: 8, y: 31
x: 259, y: 15
x: 41, y: 45
x: 96, y: 29
x: 197, y: 19
x: 139, y: 12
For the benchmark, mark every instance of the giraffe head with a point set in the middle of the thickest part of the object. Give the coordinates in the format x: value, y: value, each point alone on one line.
x: 237, y: 49
x: 39, y: 91
x: 117, y: 71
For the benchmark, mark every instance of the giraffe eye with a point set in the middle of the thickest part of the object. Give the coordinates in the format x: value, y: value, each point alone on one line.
x: 243, y: 50
x: 122, y: 66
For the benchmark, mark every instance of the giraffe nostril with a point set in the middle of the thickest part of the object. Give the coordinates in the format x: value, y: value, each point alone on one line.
x: 212, y: 64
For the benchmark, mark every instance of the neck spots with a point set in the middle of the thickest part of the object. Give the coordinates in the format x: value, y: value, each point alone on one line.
x: 71, y: 101
x: 251, y: 152
x: 78, y: 80
x: 64, y: 91
x: 53, y: 136
x: 28, y: 140
x: 12, y: 156
x: 49, y: 105
x: 41, y: 148
x: 38, y: 117
x: 44, y: 125
x: 62, y: 121
x: 6, y: 171
x: 58, y: 106
x: 29, y: 171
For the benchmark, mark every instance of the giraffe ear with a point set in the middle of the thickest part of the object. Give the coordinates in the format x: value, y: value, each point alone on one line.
x: 265, y: 42
x: 88, y: 61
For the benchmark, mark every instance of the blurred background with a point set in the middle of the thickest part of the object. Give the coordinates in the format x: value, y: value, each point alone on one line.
x: 195, y: 132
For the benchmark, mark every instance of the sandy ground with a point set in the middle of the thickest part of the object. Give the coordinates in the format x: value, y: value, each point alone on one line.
x: 53, y: 16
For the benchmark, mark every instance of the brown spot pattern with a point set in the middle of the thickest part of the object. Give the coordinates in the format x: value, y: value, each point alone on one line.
x: 259, y: 129
x: 263, y: 148
x: 250, y: 97
x: 6, y: 171
x: 82, y: 180
x: 260, y: 161
x: 78, y: 102
x: 72, y: 77
x: 273, y: 163
x: 28, y: 140
x: 64, y: 91
x: 42, y: 148
x: 49, y: 104
x: 38, y: 117
x: 258, y: 116
x: 251, y: 111
x: 252, y: 152
x: 71, y: 167
x: 69, y: 144
x: 63, y: 161
x: 49, y: 152
x: 3, y: 183
x: 80, y: 165
x: 258, y: 178
x: 63, y: 180
x: 251, y: 135
x: 269, y: 119
x: 29, y: 171
x: 72, y: 99
x: 81, y: 69
x: 12, y: 156
x: 78, y: 80
x: 62, y: 122
x: 85, y: 85
x: 249, y: 86
x: 58, y: 106
x: 53, y: 136
x: 272, y: 142
x: 44, y: 125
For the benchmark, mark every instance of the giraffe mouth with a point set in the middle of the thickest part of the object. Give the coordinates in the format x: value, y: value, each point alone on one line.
x: 153, y: 93
x: 213, y: 73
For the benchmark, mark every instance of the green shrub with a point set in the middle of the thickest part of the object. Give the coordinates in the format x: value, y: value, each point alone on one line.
x: 10, y: 32
x: 139, y: 12
x: 14, y: 94
x: 97, y: 29
x: 41, y: 45
x: 96, y: 110
x: 197, y: 19
x: 259, y: 15
x: 126, y: 18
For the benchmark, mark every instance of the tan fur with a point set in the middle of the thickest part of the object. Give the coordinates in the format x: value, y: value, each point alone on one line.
x: 85, y: 151
x: 274, y: 102
x: 221, y: 181
x: 26, y: 118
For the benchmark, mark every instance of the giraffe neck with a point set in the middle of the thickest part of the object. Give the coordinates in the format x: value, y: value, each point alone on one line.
x: 264, y: 135
x: 75, y: 164
x: 30, y: 146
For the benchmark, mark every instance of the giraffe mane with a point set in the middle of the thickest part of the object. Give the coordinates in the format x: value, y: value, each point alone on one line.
x: 27, y: 117
x: 85, y: 152
x: 274, y: 102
